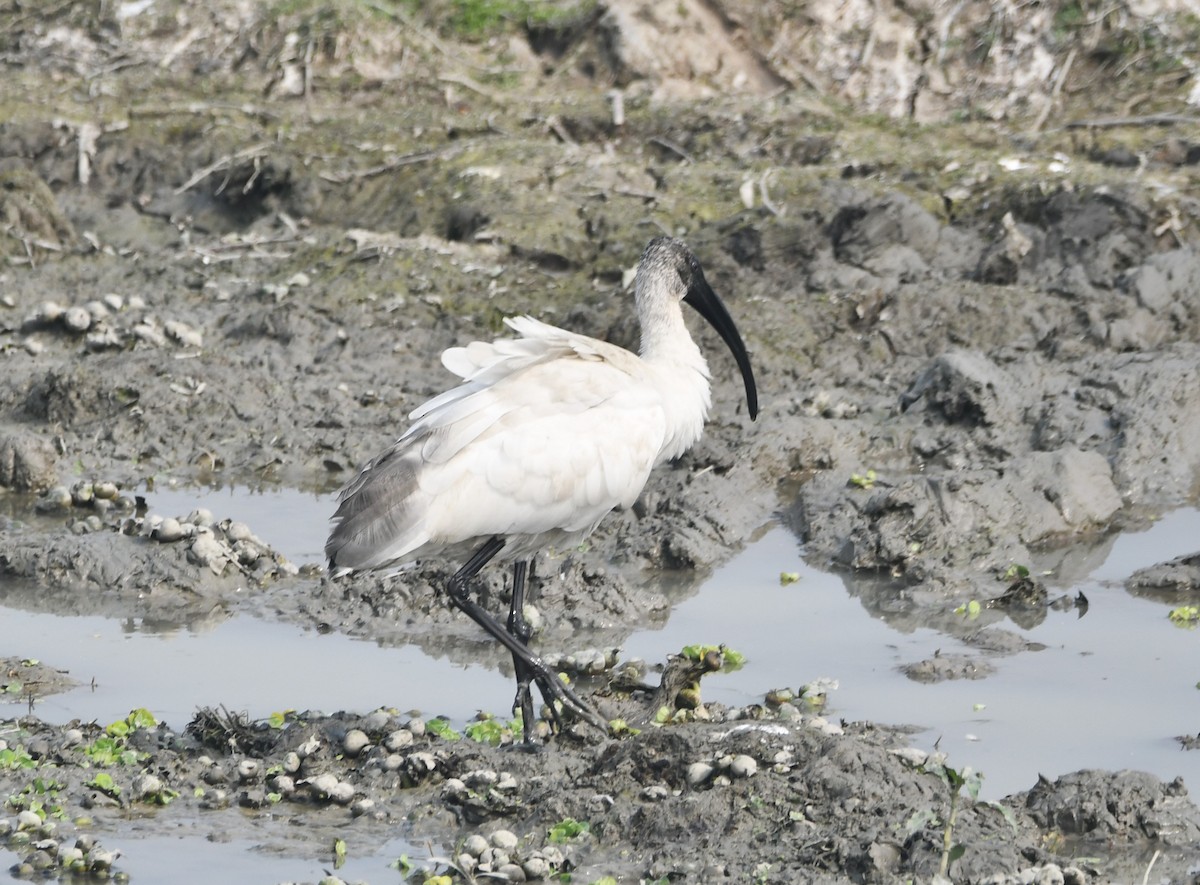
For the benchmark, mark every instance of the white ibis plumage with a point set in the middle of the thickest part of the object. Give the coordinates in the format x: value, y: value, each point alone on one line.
x: 546, y: 433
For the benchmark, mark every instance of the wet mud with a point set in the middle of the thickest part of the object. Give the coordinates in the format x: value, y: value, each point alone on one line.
x: 976, y: 334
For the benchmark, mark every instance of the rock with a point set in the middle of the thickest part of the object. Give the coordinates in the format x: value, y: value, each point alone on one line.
x: 505, y: 840
x: 698, y: 773
x: 355, y: 741
x: 398, y: 739
x: 76, y: 319
x: 511, y: 872
x: 26, y: 461
x: 743, y: 766
x: 475, y: 845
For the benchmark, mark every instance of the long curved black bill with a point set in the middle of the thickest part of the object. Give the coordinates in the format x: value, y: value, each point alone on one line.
x: 706, y: 302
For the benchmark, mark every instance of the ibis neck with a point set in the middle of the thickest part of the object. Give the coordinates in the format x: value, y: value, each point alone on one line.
x: 683, y: 377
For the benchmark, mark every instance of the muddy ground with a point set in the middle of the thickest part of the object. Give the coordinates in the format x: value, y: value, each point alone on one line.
x: 960, y: 244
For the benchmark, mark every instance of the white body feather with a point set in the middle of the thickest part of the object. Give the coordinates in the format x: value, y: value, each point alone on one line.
x: 546, y: 434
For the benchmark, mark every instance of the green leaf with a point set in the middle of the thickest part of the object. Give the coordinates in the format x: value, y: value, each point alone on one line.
x: 491, y: 731
x: 278, y: 719
x: 786, y: 578
x: 1185, y: 616
x: 567, y: 829
x: 339, y: 852
x: 863, y: 481
x: 441, y: 728
x: 141, y: 718
x: 730, y: 658
x: 104, y: 783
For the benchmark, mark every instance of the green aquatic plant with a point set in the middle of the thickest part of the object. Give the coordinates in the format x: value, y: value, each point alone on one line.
x: 112, y: 748
x: 1015, y: 572
x: 863, y: 480
x: 567, y: 829
x: 1185, y: 616
x: 103, y: 781
x: 969, y: 610
x: 492, y: 731
x: 730, y: 659
x: 12, y: 758
x: 441, y: 728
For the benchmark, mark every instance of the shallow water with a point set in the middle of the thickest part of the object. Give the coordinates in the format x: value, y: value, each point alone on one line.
x: 183, y: 858
x: 1110, y: 689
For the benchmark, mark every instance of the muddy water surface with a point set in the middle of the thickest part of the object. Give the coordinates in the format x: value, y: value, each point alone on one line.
x: 1109, y: 688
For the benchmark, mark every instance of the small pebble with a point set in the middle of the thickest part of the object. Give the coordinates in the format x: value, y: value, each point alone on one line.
x: 322, y: 783
x: 238, y: 531
x: 506, y: 781
x: 342, y: 793
x: 359, y: 807
x: 105, y: 490
x: 505, y: 840
x: 377, y: 721
x: 98, y: 310
x: 512, y: 872
x: 698, y: 773
x: 208, y: 551
x: 655, y: 793
x: 743, y: 766
x: 28, y: 820
x: 398, y: 739
x: 474, y: 844
x: 54, y: 500
x: 68, y: 855
x: 201, y: 517
x: 113, y: 301
x: 291, y: 763
x: 355, y: 742
x: 168, y: 530
x: 76, y: 319
x: 49, y: 312
x: 248, y: 769
x: 536, y: 868
x: 147, y: 785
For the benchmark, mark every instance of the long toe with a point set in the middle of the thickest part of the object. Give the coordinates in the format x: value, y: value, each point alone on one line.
x: 554, y: 689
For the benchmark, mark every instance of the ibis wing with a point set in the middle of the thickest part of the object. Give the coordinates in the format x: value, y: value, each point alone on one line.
x: 547, y: 432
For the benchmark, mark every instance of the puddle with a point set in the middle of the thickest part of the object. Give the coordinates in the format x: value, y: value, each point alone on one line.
x: 1109, y: 690
x: 186, y: 859
x: 294, y: 522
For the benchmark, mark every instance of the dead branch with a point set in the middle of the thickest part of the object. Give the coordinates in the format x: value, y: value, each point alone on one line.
x: 254, y: 152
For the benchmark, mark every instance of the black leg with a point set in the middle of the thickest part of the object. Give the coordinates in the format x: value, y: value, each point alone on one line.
x: 552, y: 688
x: 518, y: 628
